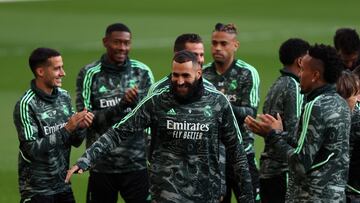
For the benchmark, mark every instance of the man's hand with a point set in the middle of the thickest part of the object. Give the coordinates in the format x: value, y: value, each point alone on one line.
x: 131, y: 95
x: 70, y: 172
x: 87, y: 121
x: 265, y: 125
x: 75, y: 120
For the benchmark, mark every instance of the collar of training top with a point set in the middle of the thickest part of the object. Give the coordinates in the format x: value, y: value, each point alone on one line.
x: 44, y: 96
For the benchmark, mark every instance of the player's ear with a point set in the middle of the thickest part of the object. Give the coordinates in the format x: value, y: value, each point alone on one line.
x: 105, y: 41
x: 237, y: 45
x: 40, y: 71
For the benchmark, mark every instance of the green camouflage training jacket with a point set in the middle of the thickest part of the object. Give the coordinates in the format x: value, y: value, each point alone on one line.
x: 45, y: 144
x: 185, y: 145
x: 100, y: 87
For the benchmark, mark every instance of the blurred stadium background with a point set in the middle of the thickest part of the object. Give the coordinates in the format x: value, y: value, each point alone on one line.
x: 76, y: 28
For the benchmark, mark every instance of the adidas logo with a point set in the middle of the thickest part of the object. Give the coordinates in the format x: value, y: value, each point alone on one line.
x: 171, y: 112
x: 102, y: 89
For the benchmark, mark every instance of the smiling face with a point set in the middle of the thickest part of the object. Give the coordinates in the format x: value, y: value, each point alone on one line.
x: 118, y: 45
x: 184, y: 78
x: 50, y: 75
x: 309, y: 73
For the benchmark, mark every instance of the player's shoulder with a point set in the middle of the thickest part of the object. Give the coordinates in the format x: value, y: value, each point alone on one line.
x: 163, y: 82
x: 138, y: 64
x: 242, y: 65
x: 91, y: 68
x: 207, y: 66
x: 26, y: 99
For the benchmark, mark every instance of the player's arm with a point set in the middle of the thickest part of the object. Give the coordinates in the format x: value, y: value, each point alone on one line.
x: 102, y: 116
x: 231, y: 138
x: 34, y: 144
x: 293, y: 100
x: 137, y: 120
x: 301, y: 158
x: 249, y: 98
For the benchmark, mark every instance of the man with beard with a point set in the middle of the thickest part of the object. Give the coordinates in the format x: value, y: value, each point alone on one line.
x: 187, y: 121
x: 47, y: 128
x: 347, y: 44
x: 318, y: 152
x: 110, y: 88
x: 191, y: 42
x: 239, y: 81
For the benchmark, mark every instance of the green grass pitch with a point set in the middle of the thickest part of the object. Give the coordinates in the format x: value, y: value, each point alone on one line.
x: 77, y: 27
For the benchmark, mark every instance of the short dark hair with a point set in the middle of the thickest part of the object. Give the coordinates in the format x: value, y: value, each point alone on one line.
x: 292, y: 49
x: 331, y: 61
x: 347, y: 84
x: 117, y: 27
x: 39, y: 57
x: 185, y: 56
x: 181, y: 40
x: 229, y: 28
x: 347, y: 40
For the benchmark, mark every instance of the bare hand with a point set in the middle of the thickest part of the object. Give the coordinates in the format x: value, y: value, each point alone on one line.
x: 87, y: 121
x: 265, y: 125
x: 131, y: 95
x: 70, y: 172
x: 75, y: 120
x: 276, y: 124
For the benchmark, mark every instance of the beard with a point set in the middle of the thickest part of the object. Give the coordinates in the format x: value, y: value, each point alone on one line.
x: 193, y: 88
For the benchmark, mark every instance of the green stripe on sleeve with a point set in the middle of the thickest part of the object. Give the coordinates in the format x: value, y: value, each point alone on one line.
x: 254, y: 93
x: 129, y: 115
x: 305, y: 123
x: 299, y: 98
x: 155, y: 85
x: 87, y: 84
x: 323, y: 162
x: 24, y: 114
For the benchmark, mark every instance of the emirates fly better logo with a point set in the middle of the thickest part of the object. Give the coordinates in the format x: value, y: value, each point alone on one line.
x: 187, y: 130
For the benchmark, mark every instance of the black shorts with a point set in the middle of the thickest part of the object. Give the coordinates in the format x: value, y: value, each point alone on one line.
x: 104, y: 187
x: 63, y: 197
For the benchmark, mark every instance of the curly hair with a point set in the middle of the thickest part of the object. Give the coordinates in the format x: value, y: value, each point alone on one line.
x: 292, y: 49
x: 331, y: 61
x: 347, y: 40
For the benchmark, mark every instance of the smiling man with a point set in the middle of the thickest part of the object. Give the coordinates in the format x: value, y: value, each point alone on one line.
x: 187, y: 121
x: 47, y: 128
x: 110, y: 88
x: 318, y: 149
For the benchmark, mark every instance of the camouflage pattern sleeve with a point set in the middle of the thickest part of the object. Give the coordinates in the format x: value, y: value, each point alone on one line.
x: 79, y: 90
x: 248, y: 94
x: 292, y: 105
x: 136, y: 121
x: 302, y: 157
x: 231, y: 138
x: 32, y: 145
x: 101, y: 116
x: 305, y: 154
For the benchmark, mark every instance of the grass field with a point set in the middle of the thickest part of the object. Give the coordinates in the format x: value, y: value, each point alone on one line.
x: 76, y: 28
